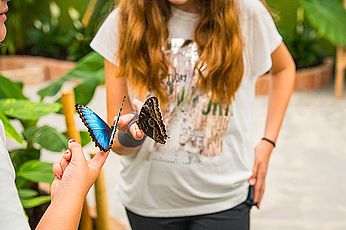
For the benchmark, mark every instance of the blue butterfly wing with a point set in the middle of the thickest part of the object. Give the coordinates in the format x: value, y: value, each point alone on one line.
x: 100, y: 132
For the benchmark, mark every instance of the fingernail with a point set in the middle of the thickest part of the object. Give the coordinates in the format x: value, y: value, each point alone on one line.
x: 60, y: 176
x: 67, y: 152
x: 71, y: 141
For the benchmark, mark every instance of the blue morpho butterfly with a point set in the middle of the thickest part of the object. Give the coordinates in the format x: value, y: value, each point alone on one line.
x: 100, y: 132
x: 149, y: 121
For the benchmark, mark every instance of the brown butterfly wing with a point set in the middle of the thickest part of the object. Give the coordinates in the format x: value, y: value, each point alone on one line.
x: 150, y: 121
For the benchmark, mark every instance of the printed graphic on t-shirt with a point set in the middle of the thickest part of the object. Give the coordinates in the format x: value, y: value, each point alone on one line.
x: 196, y: 125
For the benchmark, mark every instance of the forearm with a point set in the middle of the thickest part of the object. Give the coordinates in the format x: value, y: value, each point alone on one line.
x: 64, y: 211
x: 280, y: 91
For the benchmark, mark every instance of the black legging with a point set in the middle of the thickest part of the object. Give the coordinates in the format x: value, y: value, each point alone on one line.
x: 237, y: 218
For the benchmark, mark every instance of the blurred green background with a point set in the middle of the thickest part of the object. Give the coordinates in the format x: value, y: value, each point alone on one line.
x: 35, y: 28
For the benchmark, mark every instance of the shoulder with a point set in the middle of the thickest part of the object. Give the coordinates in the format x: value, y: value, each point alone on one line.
x: 113, y: 17
x: 251, y: 8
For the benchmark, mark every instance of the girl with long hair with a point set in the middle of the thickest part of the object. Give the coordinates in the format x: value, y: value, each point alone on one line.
x: 202, y: 177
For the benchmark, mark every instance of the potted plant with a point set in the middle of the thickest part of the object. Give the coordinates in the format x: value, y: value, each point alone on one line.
x: 48, y: 49
x: 32, y: 137
x: 315, y: 20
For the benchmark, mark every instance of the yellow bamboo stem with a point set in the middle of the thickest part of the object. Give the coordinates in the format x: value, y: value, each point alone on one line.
x: 102, y: 221
x: 85, y: 220
x: 88, y: 12
x: 340, y: 69
x: 68, y: 103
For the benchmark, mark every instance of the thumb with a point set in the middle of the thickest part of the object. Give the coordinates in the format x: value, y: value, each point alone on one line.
x: 252, y: 180
x: 76, y: 151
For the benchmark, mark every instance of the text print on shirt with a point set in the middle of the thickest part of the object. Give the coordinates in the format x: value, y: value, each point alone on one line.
x: 202, y: 123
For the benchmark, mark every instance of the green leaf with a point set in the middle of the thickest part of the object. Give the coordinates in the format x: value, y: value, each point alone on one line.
x: 328, y: 18
x: 89, y: 66
x: 36, y: 171
x: 20, y: 156
x: 9, y: 130
x: 10, y: 89
x: 34, y: 202
x: 47, y: 137
x: 85, y: 91
x: 25, y: 193
x: 27, y: 110
x: 85, y: 137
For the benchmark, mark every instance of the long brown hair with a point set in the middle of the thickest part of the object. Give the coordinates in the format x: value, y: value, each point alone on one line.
x: 144, y: 31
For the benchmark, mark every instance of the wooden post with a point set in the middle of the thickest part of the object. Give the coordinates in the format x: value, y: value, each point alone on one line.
x: 340, y: 69
x: 340, y: 72
x: 102, y: 221
x: 88, y: 12
x: 68, y: 104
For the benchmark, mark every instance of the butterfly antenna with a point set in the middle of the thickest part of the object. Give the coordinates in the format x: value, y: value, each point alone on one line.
x: 121, y: 109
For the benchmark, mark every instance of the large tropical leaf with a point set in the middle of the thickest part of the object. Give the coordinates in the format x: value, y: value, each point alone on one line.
x: 328, y: 17
x: 36, y: 171
x: 91, y: 66
x: 47, y: 137
x: 85, y: 138
x: 85, y: 91
x: 25, y: 193
x: 27, y: 110
x: 10, y: 89
x: 20, y: 156
x: 35, y: 201
x: 9, y: 130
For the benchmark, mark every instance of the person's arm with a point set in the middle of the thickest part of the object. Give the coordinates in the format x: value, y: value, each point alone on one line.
x: 281, y: 88
x: 73, y: 177
x: 116, y: 88
x: 11, y: 210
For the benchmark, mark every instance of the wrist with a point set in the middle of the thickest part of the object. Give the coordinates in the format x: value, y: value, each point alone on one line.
x: 270, y: 141
x: 75, y: 193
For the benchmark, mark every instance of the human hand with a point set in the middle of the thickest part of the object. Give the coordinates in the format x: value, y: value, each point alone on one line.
x: 262, y: 155
x: 74, y: 174
x: 125, y: 119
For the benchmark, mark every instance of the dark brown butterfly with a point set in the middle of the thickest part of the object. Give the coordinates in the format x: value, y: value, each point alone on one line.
x: 150, y: 121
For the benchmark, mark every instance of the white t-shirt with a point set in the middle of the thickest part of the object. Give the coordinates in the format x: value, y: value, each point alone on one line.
x: 205, y: 165
x: 11, y: 210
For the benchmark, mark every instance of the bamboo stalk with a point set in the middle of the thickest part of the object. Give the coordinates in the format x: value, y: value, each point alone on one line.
x: 68, y: 104
x: 340, y: 69
x: 88, y: 12
x: 102, y: 221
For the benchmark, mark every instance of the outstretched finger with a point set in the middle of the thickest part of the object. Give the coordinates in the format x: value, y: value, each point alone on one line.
x: 98, y: 161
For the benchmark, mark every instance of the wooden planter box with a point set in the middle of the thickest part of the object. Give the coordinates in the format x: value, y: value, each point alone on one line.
x: 33, y: 70
x: 306, y: 79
